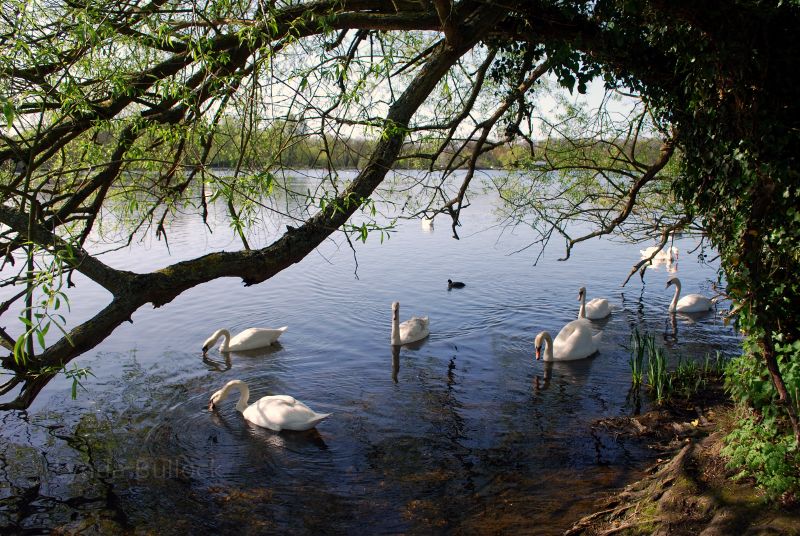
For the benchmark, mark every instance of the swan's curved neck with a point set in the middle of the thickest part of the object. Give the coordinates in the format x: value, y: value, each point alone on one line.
x: 227, y: 334
x: 582, y: 310
x: 548, y: 346
x: 395, y: 326
x: 211, y: 341
x: 674, y: 304
x: 244, y: 393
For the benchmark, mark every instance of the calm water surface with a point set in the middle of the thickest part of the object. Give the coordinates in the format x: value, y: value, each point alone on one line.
x: 463, y: 432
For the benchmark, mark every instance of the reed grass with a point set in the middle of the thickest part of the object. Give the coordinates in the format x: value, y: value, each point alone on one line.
x: 686, y: 380
x: 636, y: 359
x: 658, y: 378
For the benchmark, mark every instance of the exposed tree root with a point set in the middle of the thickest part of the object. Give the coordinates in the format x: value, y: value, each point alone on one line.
x: 689, y: 494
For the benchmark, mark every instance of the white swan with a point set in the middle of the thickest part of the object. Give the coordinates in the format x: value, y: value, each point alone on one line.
x: 691, y: 303
x: 279, y: 412
x: 574, y: 341
x: 413, y: 329
x: 426, y: 223
x: 596, y: 309
x: 248, y: 339
x: 670, y: 254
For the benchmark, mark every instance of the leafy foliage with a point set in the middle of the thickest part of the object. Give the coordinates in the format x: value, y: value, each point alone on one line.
x: 759, y: 449
x: 737, y: 120
x: 759, y: 445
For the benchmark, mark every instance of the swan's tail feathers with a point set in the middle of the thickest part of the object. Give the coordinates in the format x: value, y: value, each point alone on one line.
x: 318, y: 418
x: 284, y: 328
x: 596, y: 338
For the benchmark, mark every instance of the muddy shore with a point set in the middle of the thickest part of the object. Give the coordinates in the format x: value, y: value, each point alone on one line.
x: 689, y: 490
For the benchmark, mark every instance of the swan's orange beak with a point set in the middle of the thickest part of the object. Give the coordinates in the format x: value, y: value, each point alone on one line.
x: 538, y: 353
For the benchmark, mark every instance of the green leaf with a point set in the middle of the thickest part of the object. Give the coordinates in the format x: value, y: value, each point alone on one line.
x: 9, y: 112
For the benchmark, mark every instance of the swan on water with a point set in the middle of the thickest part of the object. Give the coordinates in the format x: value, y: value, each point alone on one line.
x: 574, y: 341
x: 278, y: 412
x: 669, y: 254
x: 691, y: 303
x: 596, y: 309
x: 413, y: 329
x: 248, y: 339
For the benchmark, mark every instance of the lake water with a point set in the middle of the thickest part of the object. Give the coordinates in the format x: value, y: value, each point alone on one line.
x: 464, y: 432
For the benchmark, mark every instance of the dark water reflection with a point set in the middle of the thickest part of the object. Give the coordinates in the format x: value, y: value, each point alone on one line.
x: 462, y: 432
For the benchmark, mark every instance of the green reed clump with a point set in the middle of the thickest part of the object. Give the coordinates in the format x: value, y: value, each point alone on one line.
x: 690, y: 376
x: 658, y: 378
x: 715, y: 366
x: 643, y: 346
x: 687, y: 379
x: 636, y: 359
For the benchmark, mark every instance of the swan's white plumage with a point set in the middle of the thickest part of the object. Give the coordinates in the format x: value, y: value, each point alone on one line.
x: 248, y: 339
x: 668, y: 254
x: 413, y: 329
x: 691, y: 303
x: 277, y: 412
x: 595, y: 309
x: 574, y: 341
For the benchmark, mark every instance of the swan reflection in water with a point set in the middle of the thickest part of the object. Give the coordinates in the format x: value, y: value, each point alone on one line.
x: 413, y: 346
x: 543, y: 382
x: 570, y: 373
x: 690, y: 319
x: 289, y: 440
x: 671, y: 328
x: 395, y: 362
x: 669, y: 266
x: 218, y: 366
x: 222, y: 366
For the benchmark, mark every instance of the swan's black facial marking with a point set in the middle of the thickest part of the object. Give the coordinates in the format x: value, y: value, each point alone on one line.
x: 539, y: 352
